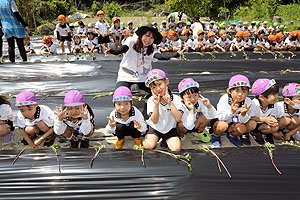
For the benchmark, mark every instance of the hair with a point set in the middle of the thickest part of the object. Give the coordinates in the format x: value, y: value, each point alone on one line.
x: 81, y: 23
x: 239, y: 87
x: 191, y: 90
x: 274, y: 89
x: 154, y: 84
x: 138, y: 46
x: 3, y: 100
x: 258, y: 33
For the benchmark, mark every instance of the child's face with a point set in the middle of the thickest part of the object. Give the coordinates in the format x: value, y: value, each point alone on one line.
x: 81, y: 26
x: 48, y: 44
x: 73, y: 111
x: 238, y: 38
x: 159, y: 87
x: 28, y: 111
x: 211, y: 25
x: 130, y: 25
x: 295, y: 100
x: 212, y: 38
x: 280, y: 40
x: 190, y: 98
x: 180, y: 25
x: 123, y: 107
x: 26, y: 41
x: 164, y: 38
x: 101, y: 17
x: 271, y: 99
x: 261, y: 35
x: 224, y: 35
x: 117, y: 23
x: 174, y: 38
x: 185, y: 37
x: 61, y: 21
x: 201, y: 36
x: 126, y: 36
x: 239, y: 94
x: 77, y: 39
x: 90, y: 36
x: 246, y: 37
x: 164, y: 25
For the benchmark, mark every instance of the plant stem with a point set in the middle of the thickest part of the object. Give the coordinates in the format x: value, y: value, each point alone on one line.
x: 19, y: 154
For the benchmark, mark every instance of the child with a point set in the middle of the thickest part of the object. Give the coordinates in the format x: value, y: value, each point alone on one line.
x: 91, y: 43
x: 77, y: 46
x: 125, y: 119
x: 272, y: 42
x: 223, y: 42
x: 188, y: 44
x: 6, y: 121
x: 126, y: 34
x: 265, y: 111
x: 154, y: 24
x: 245, y: 27
x: 102, y: 28
x: 28, y: 46
x: 199, y: 43
x: 196, y: 112
x: 175, y: 44
x: 179, y: 27
x: 164, y: 26
x: 131, y: 28
x: 274, y: 28
x: 211, y: 43
x: 34, y: 119
x: 232, y: 29
x: 163, y: 114
x: 211, y: 27
x: 63, y: 33
x: 237, y: 43
x: 289, y: 111
x: 239, y: 26
x: 259, y: 42
x: 234, y: 113
x: 81, y: 29
x: 116, y: 31
x: 248, y: 46
x: 280, y: 42
x: 49, y: 47
x: 164, y: 45
x: 75, y: 119
x: 72, y: 29
x: 291, y: 41
x: 188, y: 26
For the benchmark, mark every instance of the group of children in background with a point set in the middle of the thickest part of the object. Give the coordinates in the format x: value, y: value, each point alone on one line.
x: 171, y: 116
x: 177, y: 37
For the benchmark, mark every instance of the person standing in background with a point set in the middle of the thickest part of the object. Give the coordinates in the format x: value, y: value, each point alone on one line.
x: 13, y: 28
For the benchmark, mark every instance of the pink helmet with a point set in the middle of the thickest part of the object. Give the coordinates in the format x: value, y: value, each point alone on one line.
x: 262, y: 85
x: 186, y: 84
x: 239, y: 81
x: 74, y: 98
x: 122, y: 93
x: 25, y: 98
x: 154, y: 75
x: 291, y: 90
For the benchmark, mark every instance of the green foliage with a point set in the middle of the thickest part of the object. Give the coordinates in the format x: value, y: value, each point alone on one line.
x: 96, y: 6
x: 112, y: 9
x: 289, y: 12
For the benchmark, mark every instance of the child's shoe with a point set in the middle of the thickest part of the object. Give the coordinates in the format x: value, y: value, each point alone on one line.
x: 32, y: 137
x: 119, y: 143
x: 85, y: 142
x: 269, y: 138
x: 8, y: 138
x: 215, y: 140
x: 49, y: 141
x: 234, y: 140
x: 138, y: 141
x: 245, y: 139
x: 297, y: 136
x: 203, y: 135
x: 74, y: 142
x: 258, y: 137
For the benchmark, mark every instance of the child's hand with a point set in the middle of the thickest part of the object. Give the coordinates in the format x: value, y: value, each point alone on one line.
x: 234, y: 106
x: 137, y: 124
x: 287, y: 137
x: 245, y: 109
x: 111, y: 121
x: 167, y: 97
x: 190, y: 106
x: 84, y: 112
x: 271, y: 121
x: 205, y: 101
x: 278, y: 136
x: 156, y: 98
x: 107, y: 49
x: 38, y: 141
x: 61, y: 113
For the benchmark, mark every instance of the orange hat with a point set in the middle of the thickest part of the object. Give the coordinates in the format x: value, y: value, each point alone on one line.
x: 126, y: 32
x: 246, y: 33
x: 272, y: 37
x: 115, y: 19
x: 298, y: 33
x: 239, y: 33
x: 47, y: 40
x: 294, y: 33
x: 210, y: 33
x: 279, y: 35
x: 185, y: 31
x: 222, y: 32
x: 164, y: 33
x: 62, y: 17
x: 172, y: 33
x: 256, y: 31
x: 100, y: 12
x: 200, y: 31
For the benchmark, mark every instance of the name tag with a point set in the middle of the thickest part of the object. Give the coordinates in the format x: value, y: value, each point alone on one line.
x: 235, y: 119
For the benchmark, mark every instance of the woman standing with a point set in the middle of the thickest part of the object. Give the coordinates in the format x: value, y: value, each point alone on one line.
x: 139, y: 52
x: 12, y: 28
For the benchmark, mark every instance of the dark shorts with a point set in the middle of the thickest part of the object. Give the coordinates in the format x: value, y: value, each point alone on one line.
x: 65, y: 38
x: 118, y: 38
x: 94, y: 48
x: 249, y: 49
x: 257, y: 127
x: 103, y: 40
x: 164, y: 136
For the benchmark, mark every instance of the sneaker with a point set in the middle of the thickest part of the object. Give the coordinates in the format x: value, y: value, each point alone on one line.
x: 8, y: 138
x: 297, y: 136
x: 245, y: 139
x: 119, y: 143
x: 269, y: 138
x: 138, y: 141
x: 85, y: 143
x: 234, y: 140
x: 215, y: 140
x: 163, y: 144
x: 74, y: 142
x: 203, y: 135
x: 258, y: 138
x: 32, y: 137
x: 49, y: 141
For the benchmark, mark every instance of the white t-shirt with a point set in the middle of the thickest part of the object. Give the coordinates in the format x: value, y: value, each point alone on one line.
x: 166, y: 121
x: 223, y: 43
x: 189, y: 43
x: 29, y: 47
x: 51, y: 49
x: 43, y: 113
x: 279, y: 44
x: 6, y: 113
x: 178, y: 29
x: 135, y: 66
x: 288, y: 41
x: 81, y: 30
x: 188, y: 120
x: 209, y: 43
x: 224, y: 110
x: 213, y: 29
x: 176, y: 43
x: 283, y: 110
x: 249, y: 43
x: 90, y: 43
x: 134, y: 114
x: 201, y: 42
x: 131, y: 29
x: 240, y: 44
x: 102, y: 27
x: 80, y: 45
x: 164, y: 44
x: 62, y: 31
x: 118, y: 31
x: 196, y: 27
x: 272, y: 110
x: 257, y: 41
x: 81, y: 126
x: 164, y: 28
